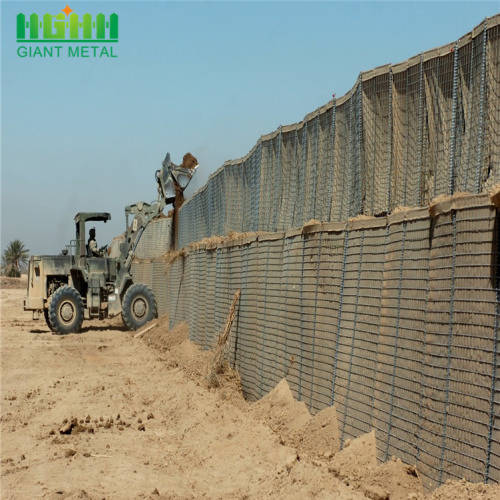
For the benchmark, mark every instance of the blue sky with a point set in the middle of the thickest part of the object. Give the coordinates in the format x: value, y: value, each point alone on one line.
x: 205, y: 77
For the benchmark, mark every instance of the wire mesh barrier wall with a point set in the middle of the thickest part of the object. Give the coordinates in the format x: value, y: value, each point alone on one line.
x: 403, y: 135
x: 393, y: 320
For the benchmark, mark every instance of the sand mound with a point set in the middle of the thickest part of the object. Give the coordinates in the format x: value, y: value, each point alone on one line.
x: 357, y: 457
x: 320, y: 435
x: 316, y: 436
x: 284, y: 414
x: 453, y: 490
x: 164, y: 339
x: 357, y: 464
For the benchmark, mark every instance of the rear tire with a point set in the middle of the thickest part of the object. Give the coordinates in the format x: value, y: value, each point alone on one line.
x: 66, y: 311
x: 138, y: 306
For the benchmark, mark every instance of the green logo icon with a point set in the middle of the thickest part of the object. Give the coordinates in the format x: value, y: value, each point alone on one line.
x: 64, y: 27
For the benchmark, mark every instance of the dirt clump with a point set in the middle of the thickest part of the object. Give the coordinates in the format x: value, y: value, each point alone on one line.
x: 72, y: 426
x: 173, y: 255
x: 189, y: 161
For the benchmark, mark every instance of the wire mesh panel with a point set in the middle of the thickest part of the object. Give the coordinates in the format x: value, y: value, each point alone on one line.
x: 211, y: 269
x: 289, y: 181
x: 265, y: 201
x: 147, y: 267
x: 245, y: 360
x: 271, y: 310
x: 311, y: 247
x: 277, y: 195
x: 202, y: 305
x: 225, y: 286
x: 236, y: 198
x: 458, y: 399
x: 297, y: 182
x: 340, y: 247
x: 340, y: 178
x: 356, y: 163
x: 186, y: 219
x: 220, y: 291
x: 158, y: 285
x: 402, y: 326
x: 324, y: 166
x: 357, y: 326
x: 234, y: 277
x: 406, y: 134
x: 263, y: 356
x: 286, y: 285
x: 172, y: 288
x: 292, y: 279
x: 191, y: 291
x: 490, y: 143
x: 176, y: 297
x: 136, y: 271
x: 155, y: 240
x: 325, y: 270
x: 439, y: 74
x: 300, y: 158
x: 310, y: 163
x: 360, y: 319
x: 252, y: 376
x: 481, y: 165
x: 255, y: 161
x: 377, y: 145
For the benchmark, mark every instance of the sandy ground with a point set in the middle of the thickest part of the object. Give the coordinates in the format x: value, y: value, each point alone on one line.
x: 105, y: 415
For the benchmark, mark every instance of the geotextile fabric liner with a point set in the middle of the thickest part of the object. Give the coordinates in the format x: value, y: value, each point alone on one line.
x: 404, y: 134
x: 393, y: 320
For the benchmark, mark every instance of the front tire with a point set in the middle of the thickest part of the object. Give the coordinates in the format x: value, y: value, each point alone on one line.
x: 47, y: 320
x: 66, y: 311
x: 138, y: 306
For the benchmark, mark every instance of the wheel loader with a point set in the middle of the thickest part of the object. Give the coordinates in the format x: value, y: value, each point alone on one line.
x: 78, y: 284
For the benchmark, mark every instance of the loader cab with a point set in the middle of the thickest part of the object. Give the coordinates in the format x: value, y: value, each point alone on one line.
x: 81, y: 251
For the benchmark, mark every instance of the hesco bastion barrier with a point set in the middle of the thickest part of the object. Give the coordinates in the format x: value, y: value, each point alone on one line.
x: 391, y: 314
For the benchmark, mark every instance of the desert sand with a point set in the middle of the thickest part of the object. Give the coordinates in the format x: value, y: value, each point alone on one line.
x: 106, y: 414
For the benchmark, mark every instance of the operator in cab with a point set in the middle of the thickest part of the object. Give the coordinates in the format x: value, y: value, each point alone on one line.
x: 92, y: 245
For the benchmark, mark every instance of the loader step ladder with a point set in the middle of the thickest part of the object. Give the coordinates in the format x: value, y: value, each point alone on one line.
x: 94, y: 297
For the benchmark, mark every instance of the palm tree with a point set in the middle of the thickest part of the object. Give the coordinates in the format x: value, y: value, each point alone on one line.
x: 15, y: 258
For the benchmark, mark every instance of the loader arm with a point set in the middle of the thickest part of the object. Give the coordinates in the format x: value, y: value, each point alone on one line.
x: 168, y: 178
